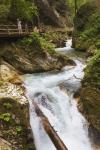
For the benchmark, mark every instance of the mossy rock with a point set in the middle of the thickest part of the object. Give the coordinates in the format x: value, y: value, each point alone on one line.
x: 34, y: 54
x: 90, y: 97
x: 9, y: 105
x: 90, y: 91
x: 14, y: 120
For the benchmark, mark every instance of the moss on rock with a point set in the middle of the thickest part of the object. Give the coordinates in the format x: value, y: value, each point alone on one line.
x: 34, y: 54
x: 87, y: 38
x: 90, y: 92
x: 14, y: 123
x: 86, y: 35
x: 14, y: 111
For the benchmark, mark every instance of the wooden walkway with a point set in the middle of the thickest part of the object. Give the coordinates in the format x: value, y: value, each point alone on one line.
x: 7, y: 31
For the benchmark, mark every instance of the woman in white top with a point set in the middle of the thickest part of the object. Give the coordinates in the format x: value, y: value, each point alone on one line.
x: 19, y: 26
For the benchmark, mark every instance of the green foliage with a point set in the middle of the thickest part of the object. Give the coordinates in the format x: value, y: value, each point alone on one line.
x: 22, y: 9
x: 19, y: 129
x: 5, y: 117
x: 95, y: 59
x: 4, y: 10
x: 7, y: 105
x: 37, y: 43
x: 87, y: 28
x: 92, y: 71
x: 79, y: 3
x: 10, y: 10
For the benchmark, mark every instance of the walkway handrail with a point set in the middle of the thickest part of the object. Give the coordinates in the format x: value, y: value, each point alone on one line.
x: 12, y: 30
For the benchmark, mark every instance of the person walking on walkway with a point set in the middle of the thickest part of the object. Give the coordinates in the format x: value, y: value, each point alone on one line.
x: 19, y: 26
x: 26, y: 28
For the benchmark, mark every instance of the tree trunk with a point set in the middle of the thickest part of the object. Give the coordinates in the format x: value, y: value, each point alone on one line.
x: 50, y: 130
x: 75, y: 7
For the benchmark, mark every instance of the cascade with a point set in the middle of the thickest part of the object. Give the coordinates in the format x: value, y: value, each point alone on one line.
x: 54, y: 95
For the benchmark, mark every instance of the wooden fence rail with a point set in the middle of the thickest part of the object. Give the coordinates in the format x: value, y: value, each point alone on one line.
x: 12, y: 31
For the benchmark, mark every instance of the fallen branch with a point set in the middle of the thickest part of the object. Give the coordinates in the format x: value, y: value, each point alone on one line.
x: 50, y: 130
x: 77, y: 77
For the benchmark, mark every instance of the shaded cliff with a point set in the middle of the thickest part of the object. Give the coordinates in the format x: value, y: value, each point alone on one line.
x: 54, y: 12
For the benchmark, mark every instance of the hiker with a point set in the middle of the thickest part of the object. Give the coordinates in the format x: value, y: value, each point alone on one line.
x: 36, y: 29
x: 19, y: 26
x: 26, y: 28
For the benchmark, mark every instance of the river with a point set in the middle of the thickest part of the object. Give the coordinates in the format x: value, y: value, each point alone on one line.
x: 53, y: 92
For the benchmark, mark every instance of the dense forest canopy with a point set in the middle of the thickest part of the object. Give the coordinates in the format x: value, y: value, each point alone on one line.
x: 26, y: 9
x: 13, y: 9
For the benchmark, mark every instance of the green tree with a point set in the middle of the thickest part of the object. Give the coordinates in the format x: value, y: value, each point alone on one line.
x: 4, y: 10
x: 22, y: 9
x: 75, y: 4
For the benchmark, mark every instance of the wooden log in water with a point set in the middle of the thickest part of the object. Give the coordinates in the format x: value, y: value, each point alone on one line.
x: 50, y: 130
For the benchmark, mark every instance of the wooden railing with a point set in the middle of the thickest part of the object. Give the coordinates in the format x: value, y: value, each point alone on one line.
x: 12, y: 31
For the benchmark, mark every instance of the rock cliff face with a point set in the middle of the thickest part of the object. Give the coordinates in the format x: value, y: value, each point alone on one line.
x: 54, y: 12
x: 87, y: 27
x: 14, y: 111
x: 86, y: 38
x: 30, y: 59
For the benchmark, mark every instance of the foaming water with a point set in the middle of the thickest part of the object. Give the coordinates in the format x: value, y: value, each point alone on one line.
x: 67, y: 48
x: 59, y: 106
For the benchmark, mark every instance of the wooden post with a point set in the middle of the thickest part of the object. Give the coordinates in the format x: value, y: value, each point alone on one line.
x: 50, y: 130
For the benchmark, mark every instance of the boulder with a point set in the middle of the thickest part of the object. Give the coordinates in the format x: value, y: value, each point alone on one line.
x: 9, y: 73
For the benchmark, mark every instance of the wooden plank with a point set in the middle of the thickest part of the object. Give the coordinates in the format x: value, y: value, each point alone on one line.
x: 15, y: 34
x: 11, y: 29
x: 50, y: 130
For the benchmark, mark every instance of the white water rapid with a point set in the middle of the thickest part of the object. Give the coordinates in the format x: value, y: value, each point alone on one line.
x: 54, y: 94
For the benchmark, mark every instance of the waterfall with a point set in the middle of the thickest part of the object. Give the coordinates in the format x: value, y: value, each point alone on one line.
x: 68, y: 47
x: 54, y: 95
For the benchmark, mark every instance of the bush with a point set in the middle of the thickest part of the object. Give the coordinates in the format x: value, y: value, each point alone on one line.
x: 7, y: 105
x: 19, y: 129
x: 37, y: 43
x: 5, y: 117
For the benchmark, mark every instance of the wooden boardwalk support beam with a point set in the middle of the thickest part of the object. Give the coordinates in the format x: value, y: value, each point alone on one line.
x: 49, y: 129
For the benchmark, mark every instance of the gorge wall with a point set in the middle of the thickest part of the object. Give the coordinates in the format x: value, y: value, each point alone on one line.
x: 86, y: 38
